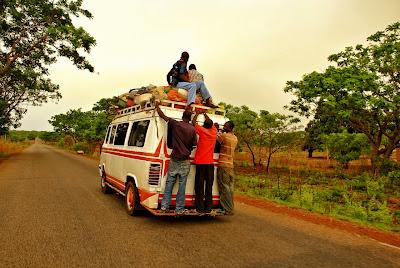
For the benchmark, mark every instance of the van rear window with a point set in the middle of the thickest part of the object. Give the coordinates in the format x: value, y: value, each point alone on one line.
x: 138, y: 133
x: 121, y: 134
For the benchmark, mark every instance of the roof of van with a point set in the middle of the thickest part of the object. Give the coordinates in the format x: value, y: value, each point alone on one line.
x: 171, y: 105
x: 171, y: 109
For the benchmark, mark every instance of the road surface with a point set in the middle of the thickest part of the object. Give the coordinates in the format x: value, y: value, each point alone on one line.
x: 53, y: 214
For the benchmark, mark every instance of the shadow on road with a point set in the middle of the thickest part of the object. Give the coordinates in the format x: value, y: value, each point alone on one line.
x: 118, y: 201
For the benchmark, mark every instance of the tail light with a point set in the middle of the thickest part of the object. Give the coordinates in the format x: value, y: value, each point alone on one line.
x: 154, y: 174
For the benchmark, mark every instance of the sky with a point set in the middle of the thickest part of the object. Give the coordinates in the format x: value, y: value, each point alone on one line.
x: 246, y: 49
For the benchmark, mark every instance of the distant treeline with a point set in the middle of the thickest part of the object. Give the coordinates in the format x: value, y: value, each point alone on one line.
x: 24, y: 135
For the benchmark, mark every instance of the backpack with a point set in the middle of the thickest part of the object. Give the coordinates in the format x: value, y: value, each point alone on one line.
x: 173, y: 74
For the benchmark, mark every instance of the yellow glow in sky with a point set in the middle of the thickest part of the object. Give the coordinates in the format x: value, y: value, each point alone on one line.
x: 246, y: 50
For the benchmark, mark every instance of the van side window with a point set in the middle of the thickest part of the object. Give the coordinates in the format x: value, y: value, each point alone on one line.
x: 138, y: 133
x: 108, y: 134
x: 114, y: 128
x: 121, y: 134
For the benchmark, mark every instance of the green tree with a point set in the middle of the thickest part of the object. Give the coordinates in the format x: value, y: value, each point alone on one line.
x: 107, y: 106
x: 322, y: 124
x: 345, y: 147
x: 20, y: 87
x: 4, y: 120
x: 363, y: 89
x: 276, y: 132
x: 36, y: 32
x: 245, y: 121
x: 48, y: 136
x: 89, y: 126
x: 33, y: 35
x: 73, y: 123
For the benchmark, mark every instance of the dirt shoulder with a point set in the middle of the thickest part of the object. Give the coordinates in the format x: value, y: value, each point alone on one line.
x: 381, y: 236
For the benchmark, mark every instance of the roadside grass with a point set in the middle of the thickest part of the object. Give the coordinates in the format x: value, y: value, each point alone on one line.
x: 90, y: 150
x: 297, y: 160
x: 361, y: 199
x: 8, y: 147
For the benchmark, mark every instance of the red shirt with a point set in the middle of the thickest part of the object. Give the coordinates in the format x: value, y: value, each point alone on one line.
x: 205, y: 145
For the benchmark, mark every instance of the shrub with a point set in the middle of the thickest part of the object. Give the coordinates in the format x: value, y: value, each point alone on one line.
x: 375, y: 188
x: 245, y: 164
x: 68, y: 141
x: 378, y: 212
x: 394, y: 177
x: 81, y: 147
x: 386, y: 166
x: 317, y: 179
x: 358, y: 183
x: 345, y: 147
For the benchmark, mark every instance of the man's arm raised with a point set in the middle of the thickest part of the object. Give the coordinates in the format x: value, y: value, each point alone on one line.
x: 160, y: 113
x: 194, y: 120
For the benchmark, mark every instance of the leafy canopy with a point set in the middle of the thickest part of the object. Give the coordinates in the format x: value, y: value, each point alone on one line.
x: 345, y: 147
x: 272, y: 131
x: 361, y: 89
x: 33, y: 35
x: 36, y: 32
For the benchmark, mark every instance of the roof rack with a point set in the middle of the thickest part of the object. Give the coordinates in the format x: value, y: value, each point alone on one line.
x: 149, y: 105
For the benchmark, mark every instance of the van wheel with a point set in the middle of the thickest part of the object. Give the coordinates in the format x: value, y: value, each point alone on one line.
x: 132, y: 204
x: 104, y: 187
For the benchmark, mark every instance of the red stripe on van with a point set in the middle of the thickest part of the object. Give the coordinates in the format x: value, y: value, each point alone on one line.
x: 155, y: 154
x: 166, y: 165
x: 134, y: 156
x: 166, y: 150
x: 116, y: 182
x: 145, y: 194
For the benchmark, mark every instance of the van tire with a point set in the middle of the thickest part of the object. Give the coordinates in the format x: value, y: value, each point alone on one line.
x: 105, y: 189
x: 132, y: 202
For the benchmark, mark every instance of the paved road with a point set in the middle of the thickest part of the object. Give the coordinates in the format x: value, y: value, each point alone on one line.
x: 53, y: 214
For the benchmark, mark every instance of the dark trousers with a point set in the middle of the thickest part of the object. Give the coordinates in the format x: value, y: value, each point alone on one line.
x: 204, y: 174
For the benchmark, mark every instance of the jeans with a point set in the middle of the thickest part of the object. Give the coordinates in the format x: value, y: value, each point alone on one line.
x: 192, y: 88
x: 204, y: 173
x: 177, y: 168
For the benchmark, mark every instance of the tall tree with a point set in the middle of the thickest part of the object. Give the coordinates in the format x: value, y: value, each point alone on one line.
x: 276, y: 132
x: 345, y: 147
x: 108, y: 106
x: 245, y: 126
x: 33, y: 35
x: 362, y: 88
x: 322, y: 124
x: 89, y: 126
x: 35, y: 32
x: 23, y: 86
x: 73, y: 123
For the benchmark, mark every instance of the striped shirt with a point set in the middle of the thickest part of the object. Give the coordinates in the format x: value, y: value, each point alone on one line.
x: 195, y: 76
x: 228, y: 145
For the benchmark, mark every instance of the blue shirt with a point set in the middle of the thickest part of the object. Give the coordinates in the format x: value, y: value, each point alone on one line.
x: 181, y: 67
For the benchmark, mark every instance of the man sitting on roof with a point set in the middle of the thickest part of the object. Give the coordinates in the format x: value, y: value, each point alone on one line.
x: 178, y: 77
x: 194, y: 75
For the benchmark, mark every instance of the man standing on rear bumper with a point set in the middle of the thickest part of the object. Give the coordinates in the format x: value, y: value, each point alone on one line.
x: 183, y: 140
x: 204, y: 160
x: 225, y: 173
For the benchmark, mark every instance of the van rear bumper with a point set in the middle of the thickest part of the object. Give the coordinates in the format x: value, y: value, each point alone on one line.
x: 189, y: 200
x: 190, y: 212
